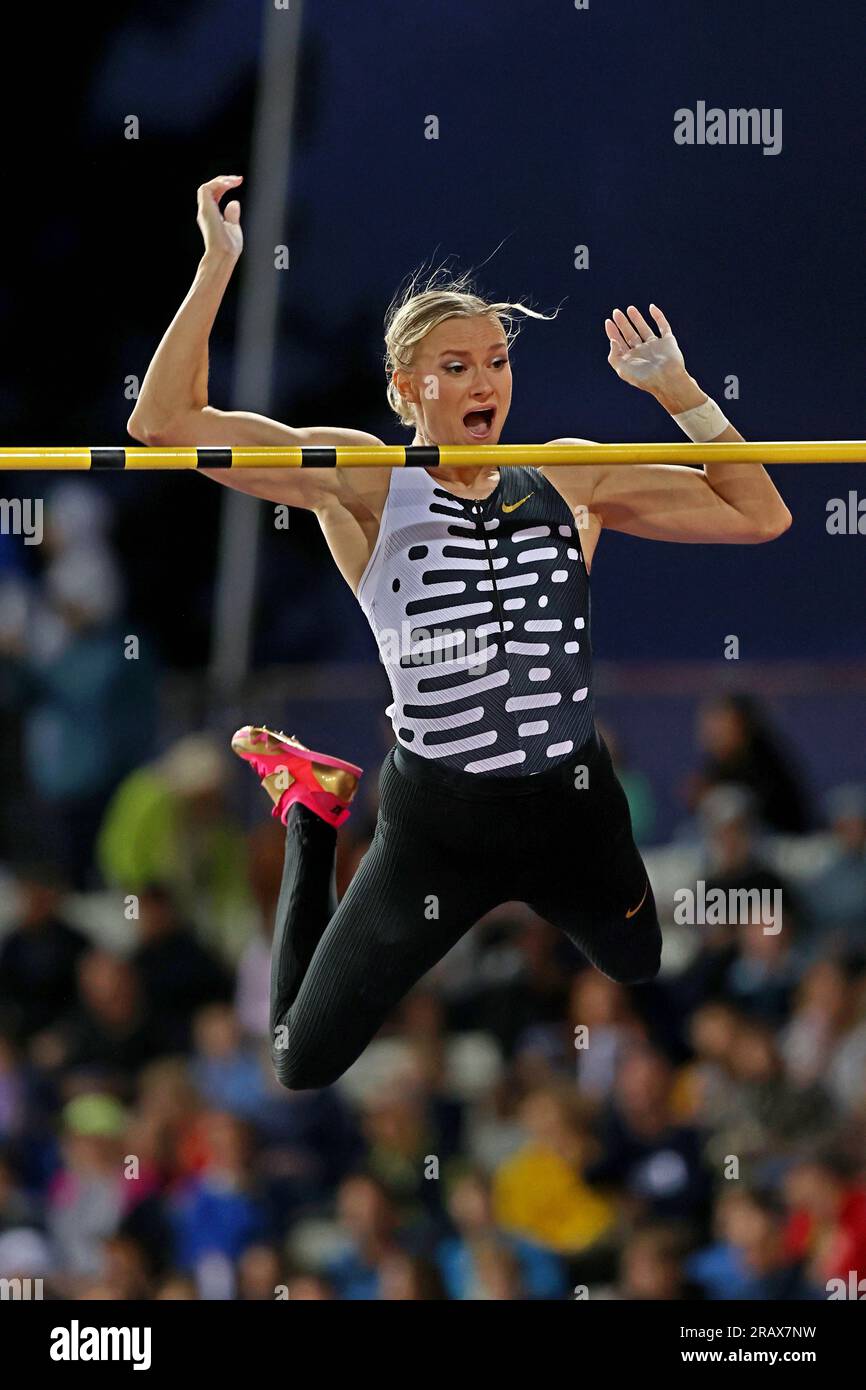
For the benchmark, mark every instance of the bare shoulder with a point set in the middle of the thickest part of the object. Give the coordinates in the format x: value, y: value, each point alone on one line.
x: 354, y: 488
x: 576, y: 487
x: 310, y: 488
x: 351, y: 507
x: 574, y: 484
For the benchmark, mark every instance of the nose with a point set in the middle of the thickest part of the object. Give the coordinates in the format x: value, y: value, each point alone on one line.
x: 482, y: 387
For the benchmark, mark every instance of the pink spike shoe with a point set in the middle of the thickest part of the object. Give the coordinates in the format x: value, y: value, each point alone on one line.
x: 290, y: 772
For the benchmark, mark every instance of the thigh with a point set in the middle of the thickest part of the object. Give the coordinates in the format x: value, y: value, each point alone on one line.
x: 595, y: 886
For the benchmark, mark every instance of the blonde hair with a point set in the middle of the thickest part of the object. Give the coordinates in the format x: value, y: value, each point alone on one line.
x: 420, y: 305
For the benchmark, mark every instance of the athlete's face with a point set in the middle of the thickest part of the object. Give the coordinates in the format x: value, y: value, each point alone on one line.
x: 460, y: 382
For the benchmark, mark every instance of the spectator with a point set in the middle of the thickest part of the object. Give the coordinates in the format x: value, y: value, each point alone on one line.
x: 837, y: 895
x: 651, y: 1267
x: 90, y: 706
x: 177, y: 1288
x: 38, y: 957
x: 259, y: 1274
x: 470, y: 1208
x: 111, y: 1028
x: 368, y: 1224
x: 177, y: 974
x: 736, y: 870
x: 827, y: 1224
x: 719, y: 1270
x: 825, y: 1038
x: 645, y: 1149
x: 308, y: 1142
x: 226, y: 1072
x: 498, y: 1270
x: 740, y: 748
x: 125, y: 1268
x: 424, y: 1073
x: 168, y: 1118
x: 766, y: 1115
x: 406, y: 1277
x: 218, y: 1213
x: 90, y: 1193
x: 706, y: 1086
x: 762, y: 977
x: 25, y: 1253
x: 266, y: 847
x: 167, y: 824
x: 532, y: 998
x: 759, y: 1237
x: 399, y: 1138
x: 18, y: 1208
x: 541, y: 1193
x: 733, y: 850
x: 309, y: 1288
x: 601, y: 1008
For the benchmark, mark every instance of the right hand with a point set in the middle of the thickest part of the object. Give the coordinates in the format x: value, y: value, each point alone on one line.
x: 222, y: 232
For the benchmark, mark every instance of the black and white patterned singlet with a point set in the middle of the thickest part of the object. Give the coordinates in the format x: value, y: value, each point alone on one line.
x: 481, y: 613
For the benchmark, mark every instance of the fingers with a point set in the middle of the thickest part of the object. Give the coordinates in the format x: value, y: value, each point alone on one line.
x: 627, y: 331
x: 640, y: 323
x: 630, y: 333
x: 660, y: 319
x: 617, y: 341
x: 216, y: 188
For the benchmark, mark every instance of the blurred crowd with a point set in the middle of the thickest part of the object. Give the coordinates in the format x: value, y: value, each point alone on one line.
x: 522, y: 1128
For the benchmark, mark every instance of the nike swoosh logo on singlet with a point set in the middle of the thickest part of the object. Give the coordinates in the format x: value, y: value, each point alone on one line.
x: 512, y: 506
x: 631, y: 912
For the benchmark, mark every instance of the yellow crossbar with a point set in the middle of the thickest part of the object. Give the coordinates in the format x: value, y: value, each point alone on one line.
x: 433, y: 456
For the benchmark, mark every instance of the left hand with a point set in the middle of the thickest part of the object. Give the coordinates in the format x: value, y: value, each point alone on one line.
x: 651, y: 363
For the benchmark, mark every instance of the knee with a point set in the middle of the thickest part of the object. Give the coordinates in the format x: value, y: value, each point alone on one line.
x: 299, y: 1073
x: 646, y: 965
x: 639, y: 964
x: 642, y: 974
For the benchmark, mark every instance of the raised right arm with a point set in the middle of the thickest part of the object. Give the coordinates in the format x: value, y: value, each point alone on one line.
x: 172, y: 407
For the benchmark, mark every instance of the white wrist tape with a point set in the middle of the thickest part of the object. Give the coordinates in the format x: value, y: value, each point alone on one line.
x: 702, y: 422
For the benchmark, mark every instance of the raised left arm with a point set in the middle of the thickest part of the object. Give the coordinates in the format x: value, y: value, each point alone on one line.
x: 720, y: 503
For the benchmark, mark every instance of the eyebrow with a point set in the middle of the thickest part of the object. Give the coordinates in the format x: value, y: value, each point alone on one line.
x: 464, y: 352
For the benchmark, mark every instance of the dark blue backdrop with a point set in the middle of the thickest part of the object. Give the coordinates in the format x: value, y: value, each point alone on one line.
x: 556, y: 129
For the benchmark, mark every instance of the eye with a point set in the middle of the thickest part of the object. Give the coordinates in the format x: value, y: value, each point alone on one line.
x: 500, y: 361
x: 454, y: 366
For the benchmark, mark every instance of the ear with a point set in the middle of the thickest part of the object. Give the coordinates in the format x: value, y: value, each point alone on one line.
x: 403, y: 383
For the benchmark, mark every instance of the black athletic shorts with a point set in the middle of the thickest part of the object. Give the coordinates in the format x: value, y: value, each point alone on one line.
x: 448, y: 847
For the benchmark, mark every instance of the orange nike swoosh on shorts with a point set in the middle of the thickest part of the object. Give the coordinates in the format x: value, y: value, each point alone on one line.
x: 512, y: 506
x: 633, y: 910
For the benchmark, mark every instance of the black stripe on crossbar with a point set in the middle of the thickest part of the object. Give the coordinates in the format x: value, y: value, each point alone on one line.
x: 107, y: 458
x: 213, y: 458
x: 422, y: 456
x: 318, y: 457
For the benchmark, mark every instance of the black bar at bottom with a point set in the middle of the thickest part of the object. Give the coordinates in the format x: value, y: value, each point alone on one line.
x: 237, y: 1337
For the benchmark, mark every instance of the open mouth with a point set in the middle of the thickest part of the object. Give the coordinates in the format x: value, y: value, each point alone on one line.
x: 479, y: 423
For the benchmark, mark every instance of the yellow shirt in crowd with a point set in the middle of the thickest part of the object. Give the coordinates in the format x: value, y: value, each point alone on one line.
x: 539, y: 1195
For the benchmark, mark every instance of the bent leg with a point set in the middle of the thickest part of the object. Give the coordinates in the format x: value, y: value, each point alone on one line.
x: 306, y: 904
x: 406, y: 906
x: 623, y: 944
